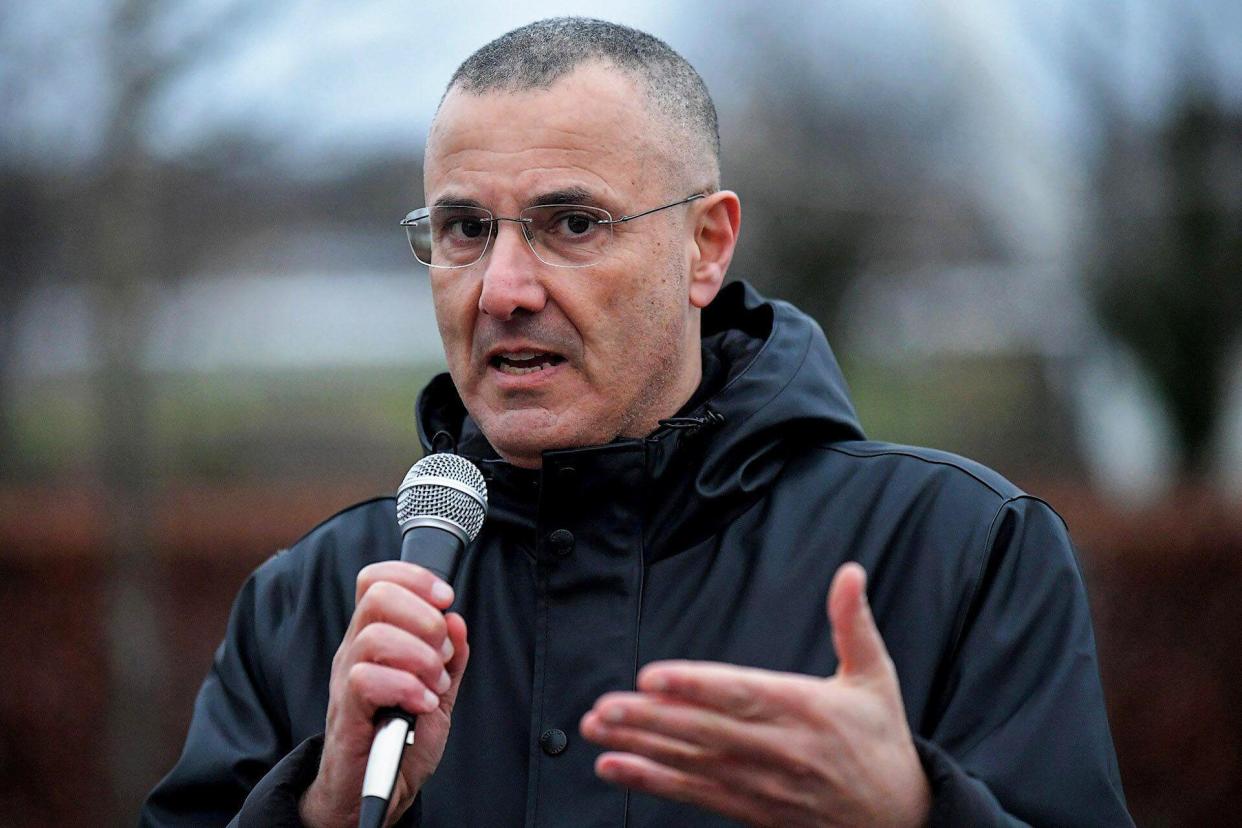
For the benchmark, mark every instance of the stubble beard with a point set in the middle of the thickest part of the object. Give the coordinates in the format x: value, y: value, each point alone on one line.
x: 659, y: 396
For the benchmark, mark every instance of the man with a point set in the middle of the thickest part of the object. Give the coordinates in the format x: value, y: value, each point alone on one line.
x: 677, y: 479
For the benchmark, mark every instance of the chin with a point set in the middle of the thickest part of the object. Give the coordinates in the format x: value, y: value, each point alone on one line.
x: 522, y: 436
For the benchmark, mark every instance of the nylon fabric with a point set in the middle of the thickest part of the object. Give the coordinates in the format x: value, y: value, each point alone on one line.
x: 718, y: 543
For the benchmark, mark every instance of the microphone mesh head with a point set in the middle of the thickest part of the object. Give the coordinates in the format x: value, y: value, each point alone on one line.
x: 434, y: 488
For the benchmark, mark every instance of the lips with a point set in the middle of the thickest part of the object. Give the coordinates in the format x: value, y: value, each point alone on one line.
x: 518, y: 363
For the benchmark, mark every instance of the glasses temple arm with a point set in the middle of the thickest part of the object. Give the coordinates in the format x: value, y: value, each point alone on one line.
x: 694, y: 197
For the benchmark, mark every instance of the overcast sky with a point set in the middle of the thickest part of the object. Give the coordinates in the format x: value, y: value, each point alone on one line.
x: 319, y: 79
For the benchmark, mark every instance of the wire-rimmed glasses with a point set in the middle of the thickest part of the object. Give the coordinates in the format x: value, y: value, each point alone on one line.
x: 562, y: 235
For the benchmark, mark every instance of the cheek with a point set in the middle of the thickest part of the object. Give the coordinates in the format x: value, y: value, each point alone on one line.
x: 455, y: 306
x: 643, y: 310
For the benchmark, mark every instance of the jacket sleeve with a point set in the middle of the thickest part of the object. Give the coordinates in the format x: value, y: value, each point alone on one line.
x: 1019, y: 735
x: 239, y: 734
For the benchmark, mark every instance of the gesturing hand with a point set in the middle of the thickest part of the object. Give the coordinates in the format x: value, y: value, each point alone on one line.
x: 773, y: 748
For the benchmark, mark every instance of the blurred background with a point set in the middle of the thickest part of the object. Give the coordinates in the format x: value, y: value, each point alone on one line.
x: 1020, y: 224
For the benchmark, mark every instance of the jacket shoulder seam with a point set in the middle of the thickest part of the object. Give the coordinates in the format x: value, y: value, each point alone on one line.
x: 933, y: 461
x: 985, y: 559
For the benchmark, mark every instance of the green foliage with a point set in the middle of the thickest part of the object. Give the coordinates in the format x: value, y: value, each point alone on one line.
x: 236, y: 426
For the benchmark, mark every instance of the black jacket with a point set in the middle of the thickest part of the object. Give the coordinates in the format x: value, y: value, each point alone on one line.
x: 716, y: 538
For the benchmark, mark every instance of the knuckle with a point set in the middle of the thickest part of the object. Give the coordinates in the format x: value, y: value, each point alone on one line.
x: 368, y: 576
x: 383, y: 591
x: 799, y: 767
x: 372, y: 643
x: 426, y: 659
x: 368, y: 598
x: 430, y: 627
x: 365, y: 640
x: 357, y: 679
x: 747, y: 704
x: 380, y: 600
x: 778, y: 790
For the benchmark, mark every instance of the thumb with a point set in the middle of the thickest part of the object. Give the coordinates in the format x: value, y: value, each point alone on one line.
x: 860, y: 649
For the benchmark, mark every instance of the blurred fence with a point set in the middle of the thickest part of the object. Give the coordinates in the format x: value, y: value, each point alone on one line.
x: 1166, y: 590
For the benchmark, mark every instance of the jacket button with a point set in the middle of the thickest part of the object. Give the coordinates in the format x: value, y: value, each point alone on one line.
x: 553, y: 741
x: 561, y: 541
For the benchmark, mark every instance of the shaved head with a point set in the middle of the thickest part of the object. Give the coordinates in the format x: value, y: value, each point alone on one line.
x: 534, y: 56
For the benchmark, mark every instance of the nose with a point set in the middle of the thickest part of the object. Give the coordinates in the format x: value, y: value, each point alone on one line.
x: 511, y: 276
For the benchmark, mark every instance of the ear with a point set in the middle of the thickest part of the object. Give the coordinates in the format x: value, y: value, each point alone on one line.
x: 711, y: 248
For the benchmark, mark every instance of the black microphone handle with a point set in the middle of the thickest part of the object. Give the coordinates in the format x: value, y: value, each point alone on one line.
x: 432, y: 548
x: 438, y: 550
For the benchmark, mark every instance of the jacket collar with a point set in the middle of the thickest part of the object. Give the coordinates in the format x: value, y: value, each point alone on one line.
x: 779, y: 390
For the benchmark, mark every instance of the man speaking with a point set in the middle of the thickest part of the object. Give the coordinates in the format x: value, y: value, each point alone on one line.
x: 700, y: 595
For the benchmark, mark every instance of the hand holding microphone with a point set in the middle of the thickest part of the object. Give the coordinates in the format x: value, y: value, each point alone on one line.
x: 400, y: 653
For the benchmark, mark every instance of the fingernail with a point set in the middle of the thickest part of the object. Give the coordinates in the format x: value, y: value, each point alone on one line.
x: 446, y: 649
x: 431, y: 699
x: 614, y: 715
x: 657, y: 683
x: 442, y: 591
x: 442, y: 683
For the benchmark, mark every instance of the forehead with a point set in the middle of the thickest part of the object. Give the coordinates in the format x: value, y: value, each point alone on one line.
x: 590, y: 128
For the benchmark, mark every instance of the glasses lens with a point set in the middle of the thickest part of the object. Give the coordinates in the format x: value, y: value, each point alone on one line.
x: 418, y: 233
x: 450, y: 236
x: 568, y: 235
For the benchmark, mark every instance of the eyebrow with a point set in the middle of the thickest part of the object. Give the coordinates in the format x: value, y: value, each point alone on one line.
x: 448, y: 199
x: 568, y: 195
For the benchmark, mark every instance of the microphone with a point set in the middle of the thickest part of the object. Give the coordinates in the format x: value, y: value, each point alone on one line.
x: 441, y: 504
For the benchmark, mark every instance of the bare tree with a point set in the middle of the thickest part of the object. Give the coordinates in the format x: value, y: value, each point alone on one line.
x: 835, y: 183
x: 142, y: 47
x: 1164, y: 255
x: 1168, y: 278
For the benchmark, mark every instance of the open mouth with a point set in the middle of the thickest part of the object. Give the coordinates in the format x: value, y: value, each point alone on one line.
x: 525, y: 362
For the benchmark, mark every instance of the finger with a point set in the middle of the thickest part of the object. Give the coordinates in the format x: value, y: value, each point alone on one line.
x: 458, y: 644
x: 860, y: 649
x: 780, y: 787
x: 389, y: 603
x: 744, y: 692
x: 391, y: 646
x: 709, y: 730
x: 667, y: 751
x: 642, y: 774
x: 371, y: 687
x: 433, y: 729
x: 422, y: 582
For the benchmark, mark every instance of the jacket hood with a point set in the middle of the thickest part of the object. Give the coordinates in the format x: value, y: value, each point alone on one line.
x: 777, y: 390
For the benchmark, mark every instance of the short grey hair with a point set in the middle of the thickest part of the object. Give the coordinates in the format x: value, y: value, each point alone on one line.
x: 538, y: 54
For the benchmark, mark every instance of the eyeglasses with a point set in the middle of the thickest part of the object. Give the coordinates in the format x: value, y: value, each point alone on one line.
x: 561, y: 235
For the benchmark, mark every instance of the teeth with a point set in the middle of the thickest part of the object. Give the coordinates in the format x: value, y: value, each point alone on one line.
x: 524, y: 362
x: 506, y: 368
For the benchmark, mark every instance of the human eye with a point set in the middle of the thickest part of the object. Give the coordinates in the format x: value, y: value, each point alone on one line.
x: 571, y: 223
x: 455, y: 225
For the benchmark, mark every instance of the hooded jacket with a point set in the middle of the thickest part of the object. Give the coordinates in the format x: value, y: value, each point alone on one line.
x: 715, y: 537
